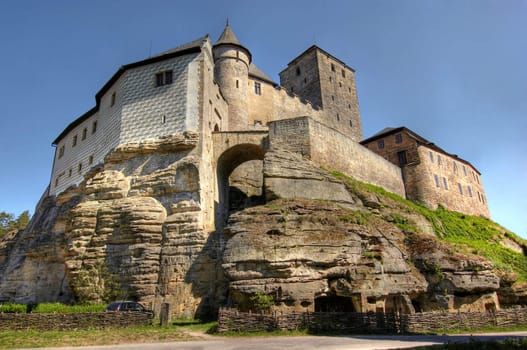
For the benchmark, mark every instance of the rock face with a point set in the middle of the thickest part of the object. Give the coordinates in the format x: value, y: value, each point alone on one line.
x: 134, y: 230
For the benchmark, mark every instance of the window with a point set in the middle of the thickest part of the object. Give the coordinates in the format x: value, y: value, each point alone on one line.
x: 398, y: 138
x: 436, y: 179
x: 469, y: 191
x: 70, y: 171
x: 402, y: 158
x: 164, y: 78
x: 460, y: 188
x: 338, y: 117
x: 61, y: 151
x: 380, y: 144
x: 79, y: 169
x: 94, y: 127
x: 343, y: 73
x: 464, y: 170
x: 112, y: 102
x: 455, y: 167
x: 163, y: 119
x: 351, y: 124
x: 237, y: 84
x: 84, y: 132
x: 479, y: 197
x: 74, y: 142
x: 431, y: 156
x: 90, y: 160
x: 332, y: 98
x: 298, y: 71
x: 257, y: 88
x: 438, y: 159
x: 445, y: 183
x: 332, y: 67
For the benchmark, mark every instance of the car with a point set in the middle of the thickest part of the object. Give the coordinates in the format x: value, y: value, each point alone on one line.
x: 124, y: 306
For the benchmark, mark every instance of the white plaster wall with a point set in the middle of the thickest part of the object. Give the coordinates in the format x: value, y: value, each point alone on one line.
x: 151, y: 111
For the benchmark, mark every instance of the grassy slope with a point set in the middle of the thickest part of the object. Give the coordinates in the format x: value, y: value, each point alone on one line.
x: 471, y: 234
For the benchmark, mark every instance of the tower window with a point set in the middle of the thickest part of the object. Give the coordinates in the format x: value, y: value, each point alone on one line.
x: 460, y: 188
x: 332, y: 67
x: 237, y: 84
x: 398, y: 138
x: 112, y: 102
x: 94, y: 127
x: 338, y: 117
x: 74, y: 142
x: 61, y: 151
x: 380, y: 144
x: 257, y: 88
x: 343, y: 73
x: 351, y: 124
x: 90, y: 160
x: 84, y: 132
x: 298, y: 71
x: 80, y: 168
x: 431, y: 156
x: 164, y: 78
x: 445, y: 183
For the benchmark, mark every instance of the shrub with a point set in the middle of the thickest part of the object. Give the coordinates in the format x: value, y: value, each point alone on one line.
x: 67, y: 309
x: 13, y: 308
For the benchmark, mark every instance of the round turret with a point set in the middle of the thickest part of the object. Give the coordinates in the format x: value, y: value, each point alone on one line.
x: 231, y: 72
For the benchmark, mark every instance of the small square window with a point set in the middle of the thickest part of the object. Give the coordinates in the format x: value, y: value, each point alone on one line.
x: 380, y: 144
x: 164, y: 78
x: 398, y: 138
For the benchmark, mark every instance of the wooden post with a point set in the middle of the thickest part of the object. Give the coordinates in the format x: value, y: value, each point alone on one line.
x: 166, y: 314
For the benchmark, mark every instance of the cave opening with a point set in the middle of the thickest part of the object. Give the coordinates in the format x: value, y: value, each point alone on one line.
x: 334, y: 303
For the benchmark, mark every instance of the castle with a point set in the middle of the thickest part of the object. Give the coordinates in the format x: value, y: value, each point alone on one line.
x: 216, y: 90
x: 154, y: 196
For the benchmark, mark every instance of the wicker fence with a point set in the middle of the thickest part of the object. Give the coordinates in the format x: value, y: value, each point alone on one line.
x: 354, y: 322
x: 56, y: 321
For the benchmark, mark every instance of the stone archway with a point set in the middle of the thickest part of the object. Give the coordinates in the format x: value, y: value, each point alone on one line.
x: 245, y: 162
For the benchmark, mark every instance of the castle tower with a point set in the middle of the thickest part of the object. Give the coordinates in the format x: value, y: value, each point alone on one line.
x: 329, y: 83
x: 231, y: 72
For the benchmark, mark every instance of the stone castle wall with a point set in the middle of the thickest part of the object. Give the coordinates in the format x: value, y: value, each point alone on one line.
x: 440, y: 179
x: 335, y: 151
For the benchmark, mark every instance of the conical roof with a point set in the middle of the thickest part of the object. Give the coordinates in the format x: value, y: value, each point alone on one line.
x: 227, y: 37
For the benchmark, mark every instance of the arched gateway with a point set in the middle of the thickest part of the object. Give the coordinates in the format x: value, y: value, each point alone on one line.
x: 238, y: 159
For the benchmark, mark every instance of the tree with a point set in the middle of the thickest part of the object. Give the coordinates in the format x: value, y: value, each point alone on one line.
x: 8, y: 222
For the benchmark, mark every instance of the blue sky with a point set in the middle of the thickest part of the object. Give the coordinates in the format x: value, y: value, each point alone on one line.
x: 453, y: 71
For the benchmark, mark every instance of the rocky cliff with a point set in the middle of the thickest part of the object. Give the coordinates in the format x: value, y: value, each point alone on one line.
x: 133, y: 229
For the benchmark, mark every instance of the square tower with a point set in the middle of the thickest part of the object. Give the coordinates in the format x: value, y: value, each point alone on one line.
x: 329, y: 83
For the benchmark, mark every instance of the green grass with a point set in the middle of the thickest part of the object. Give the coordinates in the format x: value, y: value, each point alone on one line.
x: 38, y: 339
x: 470, y: 234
